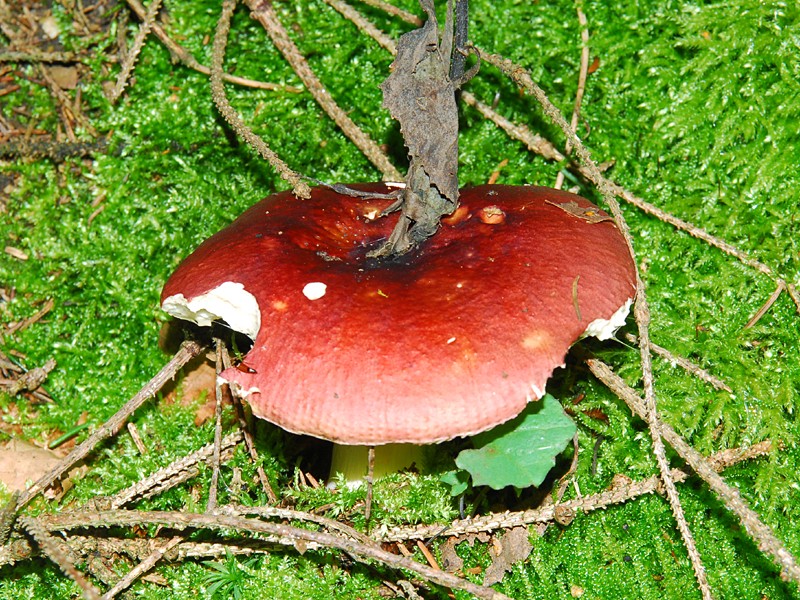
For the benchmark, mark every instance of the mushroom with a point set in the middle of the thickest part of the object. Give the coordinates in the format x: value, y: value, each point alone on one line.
x: 448, y: 341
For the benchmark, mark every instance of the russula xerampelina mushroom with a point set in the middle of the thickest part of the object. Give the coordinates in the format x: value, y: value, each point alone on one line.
x: 450, y: 340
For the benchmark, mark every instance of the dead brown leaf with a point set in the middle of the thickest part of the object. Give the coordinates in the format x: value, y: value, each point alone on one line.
x: 590, y: 214
x: 512, y: 548
x: 451, y: 561
x: 65, y: 77
x: 21, y: 462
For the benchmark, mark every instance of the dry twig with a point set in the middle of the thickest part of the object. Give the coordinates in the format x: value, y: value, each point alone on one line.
x: 265, y: 13
x: 582, y: 73
x: 760, y: 532
x: 138, y: 42
x: 545, y: 148
x: 180, y: 54
x: 299, y: 187
x: 175, y: 473
x: 143, y: 567
x: 394, y: 11
x: 685, y: 364
x: 187, y: 351
x: 55, y: 551
x: 285, y: 534
x: 25, y: 323
x: 621, y: 490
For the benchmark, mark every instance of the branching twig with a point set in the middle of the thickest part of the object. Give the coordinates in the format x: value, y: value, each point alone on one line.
x: 143, y: 567
x: 180, y: 54
x: 130, y: 59
x: 394, y: 11
x: 621, y: 490
x: 187, y: 351
x: 181, y: 520
x: 274, y: 512
x: 355, y: 17
x: 641, y: 308
x: 175, y: 473
x: 299, y: 187
x: 545, y: 148
x: 51, y: 547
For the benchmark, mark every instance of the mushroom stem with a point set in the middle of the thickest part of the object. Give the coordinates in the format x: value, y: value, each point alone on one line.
x: 352, y: 461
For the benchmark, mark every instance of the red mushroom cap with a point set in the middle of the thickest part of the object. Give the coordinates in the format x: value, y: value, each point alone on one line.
x: 449, y: 341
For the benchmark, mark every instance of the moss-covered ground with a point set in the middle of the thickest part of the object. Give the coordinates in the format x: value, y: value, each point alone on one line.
x: 697, y: 103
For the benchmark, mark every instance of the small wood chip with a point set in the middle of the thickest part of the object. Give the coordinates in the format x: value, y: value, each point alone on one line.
x: 16, y: 253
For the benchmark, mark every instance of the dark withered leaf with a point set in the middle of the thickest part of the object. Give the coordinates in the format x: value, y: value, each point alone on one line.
x: 513, y: 547
x: 420, y: 95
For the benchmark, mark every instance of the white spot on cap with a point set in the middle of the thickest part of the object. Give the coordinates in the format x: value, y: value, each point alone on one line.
x: 228, y: 301
x: 314, y: 290
x: 604, y: 329
x: 451, y: 340
x: 371, y: 213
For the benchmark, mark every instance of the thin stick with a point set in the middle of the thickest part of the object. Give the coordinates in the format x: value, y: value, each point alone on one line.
x: 363, y: 24
x: 180, y: 54
x: 794, y: 295
x: 685, y: 364
x: 460, y: 40
x: 582, y: 73
x: 766, y: 306
x: 653, y: 420
x: 265, y: 13
x: 214, y: 483
x: 621, y: 490
x: 180, y: 520
x: 534, y: 142
x: 392, y: 10
x: 142, y: 568
x: 370, y: 480
x: 245, y: 427
x: 185, y: 353
x: 25, y: 323
x: 130, y: 59
x: 137, y: 439
x: 274, y: 512
x: 33, y: 56
x: 427, y: 554
x: 763, y: 535
x: 299, y: 187
x: 546, y: 149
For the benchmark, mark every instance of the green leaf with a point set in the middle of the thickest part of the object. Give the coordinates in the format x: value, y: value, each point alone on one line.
x: 457, y: 480
x: 522, y: 451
